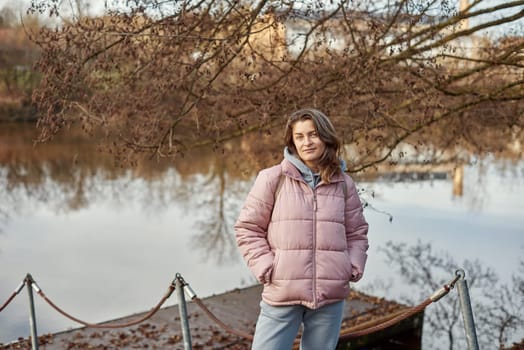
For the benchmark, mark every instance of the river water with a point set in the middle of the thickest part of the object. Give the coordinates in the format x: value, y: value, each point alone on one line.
x: 104, y: 242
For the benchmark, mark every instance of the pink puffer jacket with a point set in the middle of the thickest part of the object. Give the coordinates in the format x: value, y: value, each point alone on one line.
x: 308, y: 247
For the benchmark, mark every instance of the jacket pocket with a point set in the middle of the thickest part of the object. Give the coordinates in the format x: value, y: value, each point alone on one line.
x: 348, y: 265
x: 274, y: 267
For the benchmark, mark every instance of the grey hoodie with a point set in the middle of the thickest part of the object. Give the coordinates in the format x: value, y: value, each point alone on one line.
x: 312, y: 179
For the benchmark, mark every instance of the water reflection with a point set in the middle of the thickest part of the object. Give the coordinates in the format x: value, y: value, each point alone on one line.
x: 498, y: 307
x: 89, y: 230
x: 213, y: 233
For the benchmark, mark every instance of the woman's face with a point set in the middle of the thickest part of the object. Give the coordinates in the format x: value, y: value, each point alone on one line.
x: 309, y: 146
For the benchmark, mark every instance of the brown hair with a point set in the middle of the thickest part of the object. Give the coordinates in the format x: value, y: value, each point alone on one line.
x: 329, y: 163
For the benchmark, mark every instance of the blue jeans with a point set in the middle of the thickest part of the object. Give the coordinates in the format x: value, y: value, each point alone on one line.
x: 277, y: 327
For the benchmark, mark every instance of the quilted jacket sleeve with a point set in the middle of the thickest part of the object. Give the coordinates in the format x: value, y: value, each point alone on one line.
x: 252, y: 223
x: 356, y: 231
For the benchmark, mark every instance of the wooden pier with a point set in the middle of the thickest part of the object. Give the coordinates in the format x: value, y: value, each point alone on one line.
x: 239, y: 310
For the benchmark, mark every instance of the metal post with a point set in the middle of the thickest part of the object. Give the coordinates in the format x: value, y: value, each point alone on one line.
x: 32, y: 317
x: 467, y: 313
x: 183, y: 313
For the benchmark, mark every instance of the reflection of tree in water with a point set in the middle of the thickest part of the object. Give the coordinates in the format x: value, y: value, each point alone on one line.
x: 4, y: 216
x: 4, y: 211
x: 48, y: 182
x: 219, y: 200
x: 505, y: 313
x: 498, y: 308
x: 72, y: 175
x: 475, y: 193
x: 69, y: 174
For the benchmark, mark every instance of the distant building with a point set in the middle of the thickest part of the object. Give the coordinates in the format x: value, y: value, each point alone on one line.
x: 284, y: 34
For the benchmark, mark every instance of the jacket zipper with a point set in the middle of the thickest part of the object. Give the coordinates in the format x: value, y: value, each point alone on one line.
x: 314, y: 248
x: 314, y: 282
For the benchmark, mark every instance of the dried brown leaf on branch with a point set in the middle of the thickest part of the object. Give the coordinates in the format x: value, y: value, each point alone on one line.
x: 158, y: 78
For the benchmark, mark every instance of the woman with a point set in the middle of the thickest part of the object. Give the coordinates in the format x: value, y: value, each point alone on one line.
x: 304, y: 236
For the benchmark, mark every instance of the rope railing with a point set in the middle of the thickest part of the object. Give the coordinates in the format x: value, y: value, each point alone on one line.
x: 402, y: 315
x: 119, y: 325
x: 354, y: 332
x: 30, y: 281
x: 179, y: 282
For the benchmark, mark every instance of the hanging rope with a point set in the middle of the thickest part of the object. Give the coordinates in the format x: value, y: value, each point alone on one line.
x: 222, y: 325
x: 120, y: 325
x: 15, y: 293
x: 380, y: 324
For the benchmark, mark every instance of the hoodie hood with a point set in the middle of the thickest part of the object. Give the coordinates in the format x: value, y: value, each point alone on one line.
x: 311, y: 178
